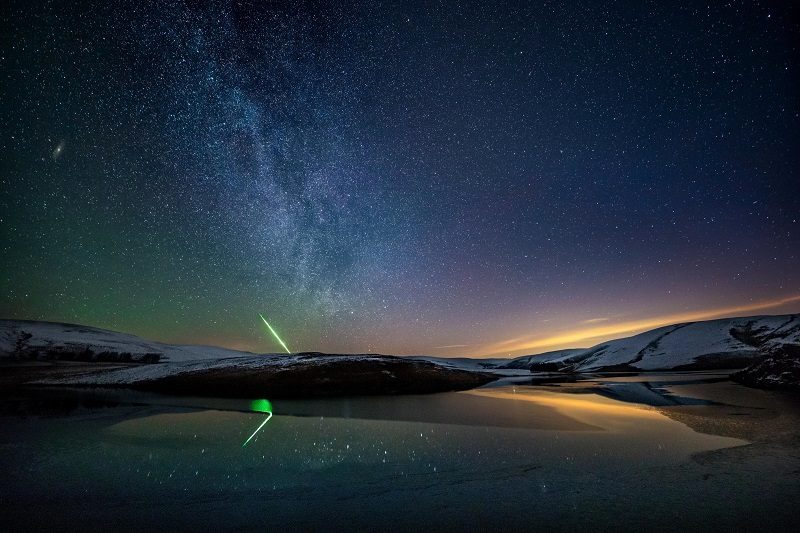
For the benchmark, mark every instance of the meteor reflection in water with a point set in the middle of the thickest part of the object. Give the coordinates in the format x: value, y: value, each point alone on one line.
x: 259, y: 406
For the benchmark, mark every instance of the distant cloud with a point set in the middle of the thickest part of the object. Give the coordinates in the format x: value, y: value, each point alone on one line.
x: 451, y: 346
x: 595, y: 320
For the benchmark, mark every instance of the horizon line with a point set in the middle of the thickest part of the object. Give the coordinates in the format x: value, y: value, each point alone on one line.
x: 555, y: 342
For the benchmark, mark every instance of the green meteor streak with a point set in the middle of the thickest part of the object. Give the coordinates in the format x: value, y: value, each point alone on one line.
x: 273, y: 332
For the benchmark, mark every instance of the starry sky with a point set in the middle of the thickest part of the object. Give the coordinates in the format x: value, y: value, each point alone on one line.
x: 449, y: 178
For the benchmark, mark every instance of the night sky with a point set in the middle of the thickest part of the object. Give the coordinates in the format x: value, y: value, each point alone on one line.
x: 450, y: 178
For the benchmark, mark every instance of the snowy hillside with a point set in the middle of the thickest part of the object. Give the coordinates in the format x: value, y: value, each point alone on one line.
x: 209, y: 371
x: 555, y: 358
x: 27, y: 339
x: 723, y: 343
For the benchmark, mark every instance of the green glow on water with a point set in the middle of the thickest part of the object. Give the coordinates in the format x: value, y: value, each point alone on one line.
x: 259, y: 406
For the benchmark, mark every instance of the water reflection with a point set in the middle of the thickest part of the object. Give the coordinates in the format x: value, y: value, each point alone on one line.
x: 259, y: 406
x: 501, y: 456
x: 583, y: 407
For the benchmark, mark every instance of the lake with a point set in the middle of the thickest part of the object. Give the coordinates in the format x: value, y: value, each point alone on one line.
x: 655, y: 451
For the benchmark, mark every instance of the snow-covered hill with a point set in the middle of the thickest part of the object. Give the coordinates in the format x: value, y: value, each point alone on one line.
x: 210, y: 371
x: 30, y: 339
x: 553, y: 359
x: 723, y: 343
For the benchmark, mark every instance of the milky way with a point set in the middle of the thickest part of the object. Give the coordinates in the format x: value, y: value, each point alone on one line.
x: 413, y: 178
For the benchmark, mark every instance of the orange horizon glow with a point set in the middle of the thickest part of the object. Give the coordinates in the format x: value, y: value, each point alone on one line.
x: 579, y: 334
x: 596, y: 334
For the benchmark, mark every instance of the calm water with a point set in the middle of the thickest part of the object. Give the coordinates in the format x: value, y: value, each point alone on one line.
x: 658, y: 452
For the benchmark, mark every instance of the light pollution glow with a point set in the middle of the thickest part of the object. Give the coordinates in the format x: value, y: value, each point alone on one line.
x: 583, y: 337
x: 561, y: 333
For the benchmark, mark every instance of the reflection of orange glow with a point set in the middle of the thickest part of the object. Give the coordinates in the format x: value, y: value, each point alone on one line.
x: 584, y: 407
x: 581, y: 337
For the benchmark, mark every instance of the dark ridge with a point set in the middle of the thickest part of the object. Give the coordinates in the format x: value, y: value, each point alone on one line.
x: 542, y: 367
x: 719, y: 361
x: 779, y: 369
x: 81, y: 353
x: 756, y: 338
x: 622, y: 367
x: 321, y: 378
